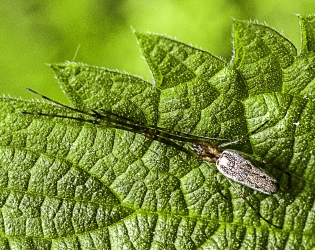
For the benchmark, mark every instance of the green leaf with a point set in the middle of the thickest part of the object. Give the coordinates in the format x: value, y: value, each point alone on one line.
x: 69, y: 184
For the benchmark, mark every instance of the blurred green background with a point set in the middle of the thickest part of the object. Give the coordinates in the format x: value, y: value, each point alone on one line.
x: 36, y: 32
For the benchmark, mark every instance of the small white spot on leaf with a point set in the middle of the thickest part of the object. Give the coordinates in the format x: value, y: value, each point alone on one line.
x: 296, y: 123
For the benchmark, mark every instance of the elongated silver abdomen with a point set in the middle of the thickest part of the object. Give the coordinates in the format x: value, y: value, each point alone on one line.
x: 240, y: 169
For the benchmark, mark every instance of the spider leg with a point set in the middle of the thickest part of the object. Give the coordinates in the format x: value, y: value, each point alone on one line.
x: 223, y: 145
x: 148, y: 133
x: 219, y: 190
x: 250, y: 205
x: 126, y: 122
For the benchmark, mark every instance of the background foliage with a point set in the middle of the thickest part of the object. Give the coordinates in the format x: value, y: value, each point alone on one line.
x: 35, y: 32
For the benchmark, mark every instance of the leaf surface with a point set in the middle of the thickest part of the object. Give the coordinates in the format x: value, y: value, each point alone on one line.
x: 69, y: 184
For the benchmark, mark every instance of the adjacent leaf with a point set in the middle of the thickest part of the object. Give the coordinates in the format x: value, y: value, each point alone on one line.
x: 68, y: 184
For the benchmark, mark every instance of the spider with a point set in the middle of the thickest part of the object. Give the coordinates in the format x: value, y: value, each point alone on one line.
x: 233, y: 165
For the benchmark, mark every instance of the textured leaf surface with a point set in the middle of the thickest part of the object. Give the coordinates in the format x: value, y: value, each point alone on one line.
x: 67, y: 184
